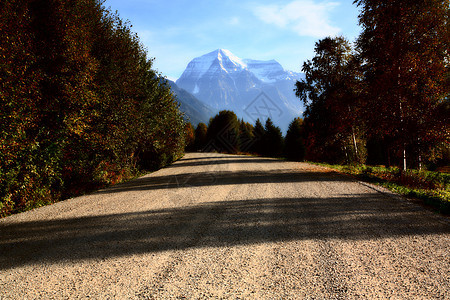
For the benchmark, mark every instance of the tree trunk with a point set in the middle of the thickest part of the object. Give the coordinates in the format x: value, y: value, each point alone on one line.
x: 419, y: 153
x: 402, y: 122
x: 355, y: 144
x: 404, y: 158
x: 346, y: 155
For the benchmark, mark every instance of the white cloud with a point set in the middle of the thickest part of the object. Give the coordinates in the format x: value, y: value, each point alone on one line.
x: 234, y: 21
x: 305, y: 17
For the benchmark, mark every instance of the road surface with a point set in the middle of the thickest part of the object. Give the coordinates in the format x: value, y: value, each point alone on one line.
x: 221, y: 226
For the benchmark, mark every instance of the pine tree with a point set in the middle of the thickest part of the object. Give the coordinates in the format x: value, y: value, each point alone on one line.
x: 258, y: 134
x: 294, y: 141
x: 223, y: 132
x: 200, y: 136
x: 273, y: 142
x: 246, y: 137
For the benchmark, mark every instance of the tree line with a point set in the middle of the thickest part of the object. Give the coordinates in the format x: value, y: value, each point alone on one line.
x: 384, y: 100
x: 81, y: 106
x: 226, y: 133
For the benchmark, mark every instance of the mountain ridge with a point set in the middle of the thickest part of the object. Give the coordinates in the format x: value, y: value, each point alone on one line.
x: 195, y: 111
x: 222, y: 80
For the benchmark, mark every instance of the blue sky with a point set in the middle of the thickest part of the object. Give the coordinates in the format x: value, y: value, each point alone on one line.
x: 176, y: 31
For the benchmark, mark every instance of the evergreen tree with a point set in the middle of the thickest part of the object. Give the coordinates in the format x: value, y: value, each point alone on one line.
x: 246, y: 137
x: 258, y: 134
x: 294, y: 141
x: 223, y: 132
x: 273, y: 141
x: 200, y: 136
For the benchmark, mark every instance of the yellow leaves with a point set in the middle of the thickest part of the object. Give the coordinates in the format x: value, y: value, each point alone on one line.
x: 76, y: 124
x: 76, y: 91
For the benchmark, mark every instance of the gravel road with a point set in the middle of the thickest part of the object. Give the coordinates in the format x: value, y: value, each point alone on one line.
x: 221, y: 226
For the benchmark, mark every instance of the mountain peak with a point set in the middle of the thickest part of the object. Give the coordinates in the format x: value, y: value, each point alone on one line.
x: 221, y: 52
x: 224, y: 81
x: 219, y: 60
x: 224, y: 55
x: 224, y: 61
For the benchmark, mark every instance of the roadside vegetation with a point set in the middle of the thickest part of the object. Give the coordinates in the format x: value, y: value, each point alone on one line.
x: 432, y: 188
x: 82, y: 108
x: 385, y: 101
x: 225, y: 133
x: 80, y: 105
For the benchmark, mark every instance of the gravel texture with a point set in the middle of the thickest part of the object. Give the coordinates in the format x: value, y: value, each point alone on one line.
x: 221, y: 226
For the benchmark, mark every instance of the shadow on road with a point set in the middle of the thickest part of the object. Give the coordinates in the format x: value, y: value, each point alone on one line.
x: 222, y: 178
x: 191, y: 162
x: 215, y: 224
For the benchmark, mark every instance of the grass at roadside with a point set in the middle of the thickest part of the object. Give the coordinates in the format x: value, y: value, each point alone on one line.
x: 433, y: 188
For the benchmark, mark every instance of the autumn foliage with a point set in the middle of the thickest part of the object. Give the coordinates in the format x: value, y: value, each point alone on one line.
x: 404, y: 46
x: 387, y: 99
x: 80, y: 104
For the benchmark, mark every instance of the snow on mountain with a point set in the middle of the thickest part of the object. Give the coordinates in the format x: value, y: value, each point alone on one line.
x: 227, y: 56
x: 209, y: 64
x: 224, y: 81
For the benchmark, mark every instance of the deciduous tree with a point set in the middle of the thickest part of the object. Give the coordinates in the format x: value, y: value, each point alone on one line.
x: 404, y: 46
x: 80, y: 105
x: 330, y: 93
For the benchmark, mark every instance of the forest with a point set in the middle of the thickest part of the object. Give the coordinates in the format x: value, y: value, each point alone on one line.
x: 81, y: 106
x: 225, y: 133
x: 384, y: 99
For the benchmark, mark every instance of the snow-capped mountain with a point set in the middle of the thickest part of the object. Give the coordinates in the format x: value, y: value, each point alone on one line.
x: 251, y: 88
x: 269, y: 71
